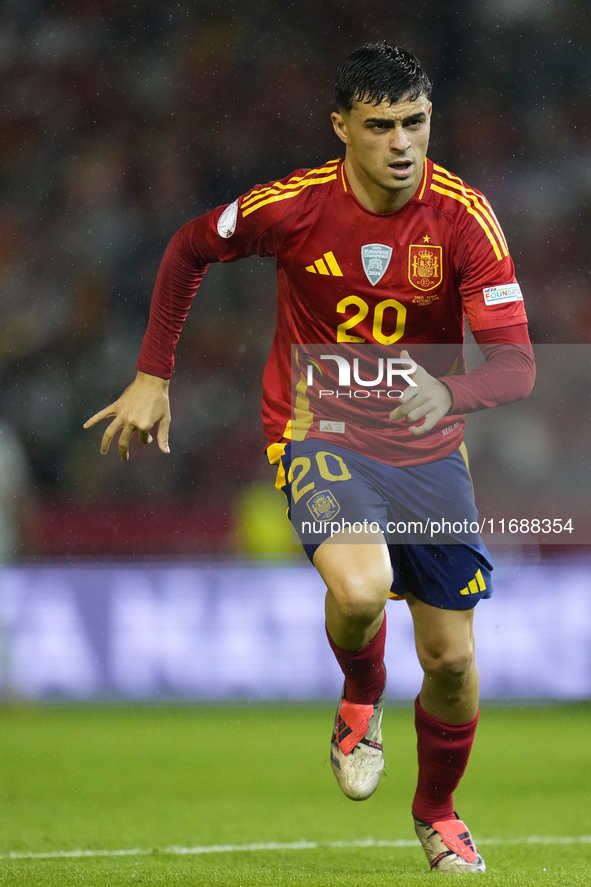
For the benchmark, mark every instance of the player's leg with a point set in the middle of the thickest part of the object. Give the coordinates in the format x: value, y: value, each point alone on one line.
x: 443, y: 581
x: 446, y: 715
x: 358, y: 577
x: 339, y: 515
x: 445, y: 647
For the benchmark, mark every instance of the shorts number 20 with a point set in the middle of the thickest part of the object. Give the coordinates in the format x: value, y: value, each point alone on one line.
x: 302, y: 465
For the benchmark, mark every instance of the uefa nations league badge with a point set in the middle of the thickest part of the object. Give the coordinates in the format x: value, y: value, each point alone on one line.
x: 376, y: 258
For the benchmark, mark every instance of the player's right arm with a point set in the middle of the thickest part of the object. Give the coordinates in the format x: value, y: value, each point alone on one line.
x: 224, y: 234
x: 144, y: 403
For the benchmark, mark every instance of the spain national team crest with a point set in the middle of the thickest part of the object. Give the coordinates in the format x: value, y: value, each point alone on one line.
x: 425, y: 270
x: 323, y: 505
x: 376, y: 258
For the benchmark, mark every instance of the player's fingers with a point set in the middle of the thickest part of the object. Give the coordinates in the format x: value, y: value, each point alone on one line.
x: 109, y: 434
x: 430, y: 421
x: 406, y: 356
x: 98, y: 417
x: 414, y: 415
x: 418, y: 368
x: 396, y: 414
x: 144, y: 437
x: 409, y: 393
x: 419, y: 430
x: 163, y: 434
x: 407, y: 404
x: 124, y: 441
x: 419, y: 374
x: 400, y: 412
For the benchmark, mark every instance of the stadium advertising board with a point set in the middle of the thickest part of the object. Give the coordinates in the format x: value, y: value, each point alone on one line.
x: 165, y: 631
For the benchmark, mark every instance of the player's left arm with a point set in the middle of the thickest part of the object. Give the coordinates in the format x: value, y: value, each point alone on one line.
x: 493, y: 304
x: 508, y: 375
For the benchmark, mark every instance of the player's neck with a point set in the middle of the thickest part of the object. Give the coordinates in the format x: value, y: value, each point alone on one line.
x: 375, y: 198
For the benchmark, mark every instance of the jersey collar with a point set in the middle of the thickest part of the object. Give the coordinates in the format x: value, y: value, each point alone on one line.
x: 420, y: 195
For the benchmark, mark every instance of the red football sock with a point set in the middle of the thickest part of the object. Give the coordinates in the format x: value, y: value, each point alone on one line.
x: 443, y: 751
x: 363, y: 669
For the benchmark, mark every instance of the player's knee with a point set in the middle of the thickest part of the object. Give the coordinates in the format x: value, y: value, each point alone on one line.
x: 361, y: 597
x: 450, y: 663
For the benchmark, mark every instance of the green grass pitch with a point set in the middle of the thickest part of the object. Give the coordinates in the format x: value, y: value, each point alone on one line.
x: 148, y: 779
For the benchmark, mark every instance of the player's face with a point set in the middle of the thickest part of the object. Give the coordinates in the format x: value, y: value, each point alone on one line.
x: 386, y: 147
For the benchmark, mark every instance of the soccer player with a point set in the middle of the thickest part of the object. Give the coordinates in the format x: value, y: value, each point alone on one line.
x: 381, y: 248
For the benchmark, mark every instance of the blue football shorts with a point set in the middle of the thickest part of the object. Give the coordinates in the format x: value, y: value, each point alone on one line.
x: 426, y: 512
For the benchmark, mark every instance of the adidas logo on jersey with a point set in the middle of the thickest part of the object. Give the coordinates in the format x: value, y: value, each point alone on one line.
x: 330, y: 266
x: 335, y: 427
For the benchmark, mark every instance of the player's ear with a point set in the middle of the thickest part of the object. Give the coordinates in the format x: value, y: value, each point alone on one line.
x: 340, y: 126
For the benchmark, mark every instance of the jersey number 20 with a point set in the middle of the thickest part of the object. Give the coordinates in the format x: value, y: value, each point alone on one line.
x: 378, y: 320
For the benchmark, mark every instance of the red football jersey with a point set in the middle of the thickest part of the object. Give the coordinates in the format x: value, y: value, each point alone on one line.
x: 350, y: 277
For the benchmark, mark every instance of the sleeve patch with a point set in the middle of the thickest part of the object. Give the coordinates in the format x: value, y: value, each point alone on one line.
x: 227, y: 220
x: 511, y: 292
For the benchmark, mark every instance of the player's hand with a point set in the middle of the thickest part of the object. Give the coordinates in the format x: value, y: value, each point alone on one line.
x: 430, y: 399
x: 140, y: 407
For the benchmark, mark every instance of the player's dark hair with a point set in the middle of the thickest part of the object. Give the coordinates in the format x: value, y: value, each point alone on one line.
x: 380, y: 72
